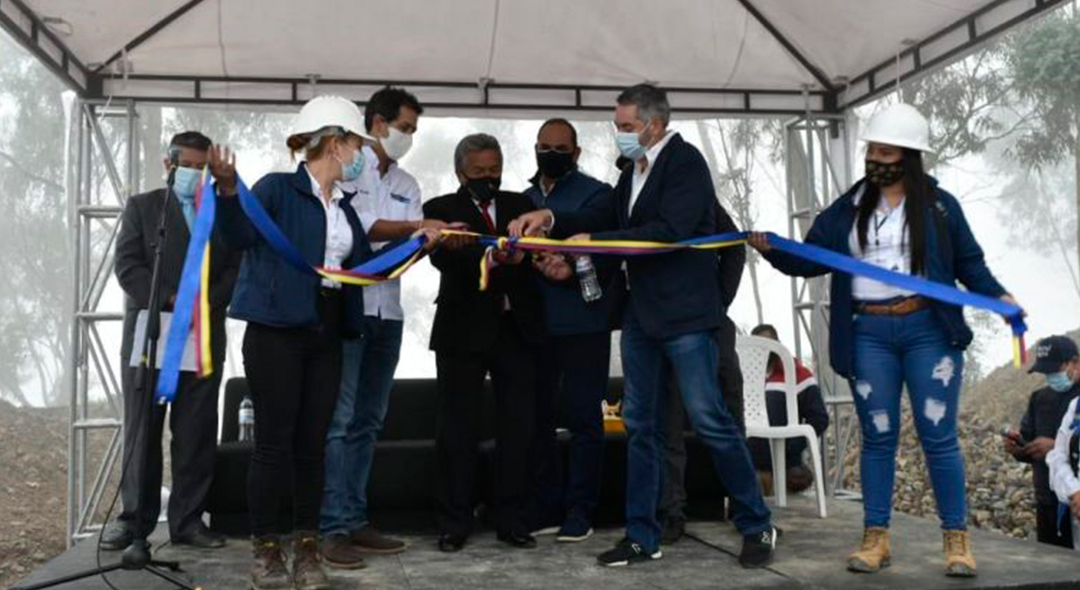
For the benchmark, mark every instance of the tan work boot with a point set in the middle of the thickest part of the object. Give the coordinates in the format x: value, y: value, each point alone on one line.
x: 269, y: 571
x: 308, y: 573
x: 959, y: 562
x: 874, y: 554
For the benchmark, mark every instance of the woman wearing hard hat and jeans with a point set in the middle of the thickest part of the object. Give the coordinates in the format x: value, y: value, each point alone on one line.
x: 292, y: 346
x: 882, y: 338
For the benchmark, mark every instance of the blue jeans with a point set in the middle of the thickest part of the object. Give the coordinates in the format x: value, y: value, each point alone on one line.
x: 694, y: 358
x: 891, y: 351
x: 367, y: 376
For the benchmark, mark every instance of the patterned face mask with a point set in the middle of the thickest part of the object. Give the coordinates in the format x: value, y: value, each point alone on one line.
x: 881, y: 174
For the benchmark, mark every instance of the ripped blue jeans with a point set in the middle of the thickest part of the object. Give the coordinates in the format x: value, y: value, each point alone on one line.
x: 891, y: 351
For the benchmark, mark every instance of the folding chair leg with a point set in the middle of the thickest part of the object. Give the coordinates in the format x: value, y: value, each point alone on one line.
x: 819, y: 475
x: 779, y: 469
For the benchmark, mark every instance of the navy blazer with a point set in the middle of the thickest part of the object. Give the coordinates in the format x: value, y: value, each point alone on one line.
x: 269, y: 290
x: 565, y: 311
x: 674, y: 293
x: 959, y: 258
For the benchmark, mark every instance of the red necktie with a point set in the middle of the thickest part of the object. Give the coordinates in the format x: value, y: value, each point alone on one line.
x: 487, y: 216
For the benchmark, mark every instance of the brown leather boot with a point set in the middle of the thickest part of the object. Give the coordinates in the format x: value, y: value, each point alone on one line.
x: 339, y: 552
x: 269, y: 571
x: 874, y: 554
x: 308, y: 572
x: 959, y: 561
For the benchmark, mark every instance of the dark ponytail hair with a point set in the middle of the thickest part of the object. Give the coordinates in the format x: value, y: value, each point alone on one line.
x: 918, y: 198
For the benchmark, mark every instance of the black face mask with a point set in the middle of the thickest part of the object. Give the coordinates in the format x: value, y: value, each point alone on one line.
x: 881, y: 174
x: 483, y: 189
x: 554, y: 164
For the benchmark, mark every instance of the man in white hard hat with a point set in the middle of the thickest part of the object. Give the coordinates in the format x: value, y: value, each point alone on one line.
x: 882, y: 338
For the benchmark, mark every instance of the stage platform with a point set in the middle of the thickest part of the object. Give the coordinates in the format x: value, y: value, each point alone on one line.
x: 810, y: 555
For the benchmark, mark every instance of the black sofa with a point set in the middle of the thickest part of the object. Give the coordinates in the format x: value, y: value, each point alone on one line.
x: 403, y: 473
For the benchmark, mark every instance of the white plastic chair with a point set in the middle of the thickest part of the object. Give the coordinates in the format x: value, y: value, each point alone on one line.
x: 754, y: 360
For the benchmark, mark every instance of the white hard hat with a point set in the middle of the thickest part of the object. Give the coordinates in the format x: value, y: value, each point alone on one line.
x: 901, y: 125
x: 330, y: 111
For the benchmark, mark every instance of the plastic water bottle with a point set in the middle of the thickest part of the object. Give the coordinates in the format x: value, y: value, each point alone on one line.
x: 590, y: 284
x: 247, y: 419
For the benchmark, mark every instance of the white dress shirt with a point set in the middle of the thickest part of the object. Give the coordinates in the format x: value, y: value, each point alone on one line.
x: 887, y: 246
x: 391, y: 197
x: 339, y: 237
x: 1062, y: 481
x: 637, y: 182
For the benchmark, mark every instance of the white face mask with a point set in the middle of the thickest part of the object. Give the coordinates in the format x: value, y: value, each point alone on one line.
x: 397, y: 144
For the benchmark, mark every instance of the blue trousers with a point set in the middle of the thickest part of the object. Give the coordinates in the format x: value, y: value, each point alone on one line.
x: 367, y: 376
x: 891, y: 351
x: 694, y: 358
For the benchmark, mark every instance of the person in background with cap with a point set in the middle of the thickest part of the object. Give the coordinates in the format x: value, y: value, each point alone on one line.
x: 1056, y: 357
x: 882, y: 337
x: 296, y: 320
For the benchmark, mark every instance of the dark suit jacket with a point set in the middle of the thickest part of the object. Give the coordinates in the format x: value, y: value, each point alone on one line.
x: 134, y: 265
x: 732, y: 260
x: 675, y: 293
x: 468, y: 319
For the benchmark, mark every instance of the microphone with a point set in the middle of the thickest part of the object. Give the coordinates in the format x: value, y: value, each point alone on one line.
x: 174, y: 163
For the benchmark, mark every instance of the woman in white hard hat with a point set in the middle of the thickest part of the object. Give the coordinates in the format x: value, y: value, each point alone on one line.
x: 292, y: 346
x: 882, y: 338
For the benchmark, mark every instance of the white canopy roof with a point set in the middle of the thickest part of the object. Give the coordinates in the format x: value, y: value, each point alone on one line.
x: 715, y: 55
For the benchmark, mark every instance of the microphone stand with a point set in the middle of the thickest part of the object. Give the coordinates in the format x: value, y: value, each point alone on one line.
x: 137, y: 556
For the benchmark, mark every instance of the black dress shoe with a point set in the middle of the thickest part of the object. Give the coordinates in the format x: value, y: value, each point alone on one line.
x: 201, y: 538
x: 116, y: 537
x: 518, y: 540
x: 450, y: 543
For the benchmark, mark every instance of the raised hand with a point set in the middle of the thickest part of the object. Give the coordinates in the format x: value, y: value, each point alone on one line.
x: 222, y: 164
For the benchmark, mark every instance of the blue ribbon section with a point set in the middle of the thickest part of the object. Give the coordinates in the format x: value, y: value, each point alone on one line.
x: 924, y: 287
x: 264, y: 224
x: 185, y: 296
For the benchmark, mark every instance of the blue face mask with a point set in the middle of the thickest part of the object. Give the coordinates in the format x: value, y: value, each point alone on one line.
x: 1059, y: 381
x: 629, y: 145
x: 352, y: 171
x: 186, y: 181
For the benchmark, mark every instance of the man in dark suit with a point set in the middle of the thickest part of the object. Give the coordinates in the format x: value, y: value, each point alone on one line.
x: 475, y: 332
x: 673, y: 310
x: 193, y: 416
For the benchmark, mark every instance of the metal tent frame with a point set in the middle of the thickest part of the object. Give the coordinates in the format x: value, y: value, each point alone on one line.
x: 817, y: 161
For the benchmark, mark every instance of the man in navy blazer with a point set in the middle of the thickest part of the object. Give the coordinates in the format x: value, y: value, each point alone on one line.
x: 673, y: 309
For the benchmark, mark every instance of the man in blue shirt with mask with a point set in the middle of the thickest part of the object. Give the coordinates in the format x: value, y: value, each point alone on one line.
x: 573, y: 367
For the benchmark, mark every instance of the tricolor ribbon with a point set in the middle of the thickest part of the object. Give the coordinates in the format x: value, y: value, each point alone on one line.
x: 192, y: 299
x: 834, y: 260
x: 387, y: 266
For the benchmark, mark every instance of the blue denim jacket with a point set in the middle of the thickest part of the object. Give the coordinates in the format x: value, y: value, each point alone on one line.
x: 960, y: 259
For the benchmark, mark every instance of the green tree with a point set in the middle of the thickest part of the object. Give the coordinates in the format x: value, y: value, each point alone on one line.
x: 1043, y: 61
